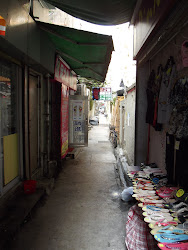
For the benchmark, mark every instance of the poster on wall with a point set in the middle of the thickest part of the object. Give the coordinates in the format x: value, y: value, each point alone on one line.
x: 64, y: 120
x: 96, y: 93
x: 104, y: 93
x: 78, y: 111
x: 78, y: 121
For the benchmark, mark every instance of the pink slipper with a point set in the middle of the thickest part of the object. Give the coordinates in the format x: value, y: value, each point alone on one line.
x: 178, y: 246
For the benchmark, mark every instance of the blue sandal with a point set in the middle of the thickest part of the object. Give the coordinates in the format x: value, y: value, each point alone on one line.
x: 175, y: 231
x: 170, y: 237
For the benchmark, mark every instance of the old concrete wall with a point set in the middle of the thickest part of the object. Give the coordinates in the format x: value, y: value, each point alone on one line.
x: 52, y: 15
x: 23, y: 33
x: 141, y: 128
x: 157, y: 145
x: 129, y: 126
x: 158, y: 139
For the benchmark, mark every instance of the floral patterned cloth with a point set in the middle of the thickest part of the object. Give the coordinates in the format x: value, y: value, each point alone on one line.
x: 164, y: 105
x: 178, y: 124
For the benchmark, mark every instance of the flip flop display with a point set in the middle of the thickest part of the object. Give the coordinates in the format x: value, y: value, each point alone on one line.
x: 153, y: 201
x: 170, y: 237
x: 150, y: 212
x: 155, y: 208
x: 173, y: 246
x: 158, y: 218
x: 167, y: 229
x: 162, y: 224
x: 162, y: 210
x: 170, y: 229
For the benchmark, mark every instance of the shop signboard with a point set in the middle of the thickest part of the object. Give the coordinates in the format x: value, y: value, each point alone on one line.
x: 64, y: 74
x: 148, y: 17
x: 104, y: 93
x: 78, y: 121
x: 64, y: 120
x: 96, y: 93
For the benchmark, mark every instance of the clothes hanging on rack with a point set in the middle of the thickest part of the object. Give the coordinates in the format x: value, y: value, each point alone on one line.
x: 178, y: 123
x: 164, y: 105
x: 153, y: 88
x: 170, y: 139
x: 181, y: 167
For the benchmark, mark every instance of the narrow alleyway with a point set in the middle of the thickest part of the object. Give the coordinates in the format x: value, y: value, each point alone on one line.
x: 84, y: 211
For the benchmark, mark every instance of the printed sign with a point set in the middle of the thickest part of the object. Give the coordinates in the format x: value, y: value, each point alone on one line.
x: 78, y: 111
x: 64, y: 74
x: 64, y: 120
x: 78, y: 121
x: 2, y: 26
x: 104, y: 93
x: 96, y: 93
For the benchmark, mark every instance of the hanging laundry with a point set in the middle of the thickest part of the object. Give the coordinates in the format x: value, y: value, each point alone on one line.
x: 150, y: 98
x: 164, y: 106
x: 152, y: 91
x: 157, y: 87
x: 178, y: 124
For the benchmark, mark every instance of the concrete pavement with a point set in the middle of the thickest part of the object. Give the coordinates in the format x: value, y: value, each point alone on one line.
x: 84, y: 211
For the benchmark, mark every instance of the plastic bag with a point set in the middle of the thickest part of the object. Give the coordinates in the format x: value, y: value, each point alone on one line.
x: 126, y: 195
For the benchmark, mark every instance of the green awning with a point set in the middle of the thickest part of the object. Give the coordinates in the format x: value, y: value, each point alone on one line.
x: 104, y: 12
x: 88, y: 54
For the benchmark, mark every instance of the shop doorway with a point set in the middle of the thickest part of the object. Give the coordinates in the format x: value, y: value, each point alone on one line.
x: 78, y: 121
x: 9, y: 126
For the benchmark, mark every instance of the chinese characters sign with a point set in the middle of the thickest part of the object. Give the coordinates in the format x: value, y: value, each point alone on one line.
x: 64, y: 74
x: 102, y: 94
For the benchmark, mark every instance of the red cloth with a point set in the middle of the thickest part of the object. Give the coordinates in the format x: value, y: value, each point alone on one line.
x: 138, y: 235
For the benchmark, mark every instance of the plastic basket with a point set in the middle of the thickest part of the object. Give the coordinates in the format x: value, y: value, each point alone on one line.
x: 30, y: 186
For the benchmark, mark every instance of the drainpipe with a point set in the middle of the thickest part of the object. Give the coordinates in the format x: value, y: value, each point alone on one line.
x: 49, y: 116
x: 26, y: 124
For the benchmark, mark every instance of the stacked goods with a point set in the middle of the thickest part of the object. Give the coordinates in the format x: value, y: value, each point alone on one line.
x: 163, y: 209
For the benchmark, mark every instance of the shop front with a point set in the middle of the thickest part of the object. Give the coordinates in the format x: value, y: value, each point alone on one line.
x: 10, y: 124
x: 64, y: 81
x: 161, y: 60
x: 26, y: 62
x: 160, y: 48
